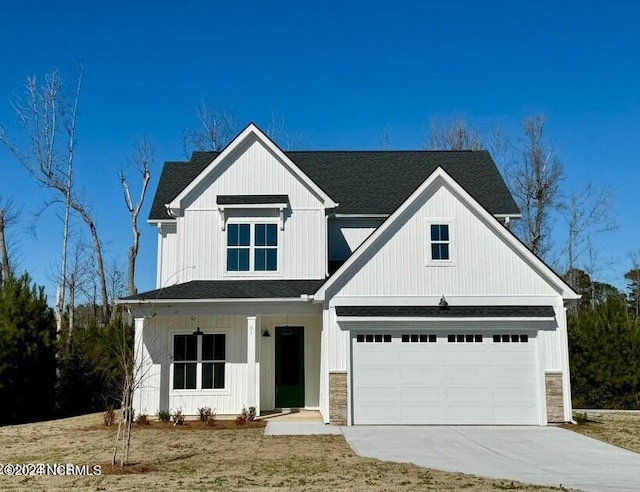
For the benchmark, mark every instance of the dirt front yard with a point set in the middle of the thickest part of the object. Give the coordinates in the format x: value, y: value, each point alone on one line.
x: 619, y: 428
x: 202, y: 458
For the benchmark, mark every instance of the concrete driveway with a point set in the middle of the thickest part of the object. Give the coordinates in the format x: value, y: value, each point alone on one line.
x: 537, y: 455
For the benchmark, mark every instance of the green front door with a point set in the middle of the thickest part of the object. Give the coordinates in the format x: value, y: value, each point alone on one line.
x: 289, y: 366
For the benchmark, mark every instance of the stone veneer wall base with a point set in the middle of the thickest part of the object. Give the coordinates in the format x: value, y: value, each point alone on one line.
x: 555, y: 397
x: 338, y: 397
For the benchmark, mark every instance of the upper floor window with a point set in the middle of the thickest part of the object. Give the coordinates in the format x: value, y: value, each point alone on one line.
x: 252, y: 247
x: 440, y: 242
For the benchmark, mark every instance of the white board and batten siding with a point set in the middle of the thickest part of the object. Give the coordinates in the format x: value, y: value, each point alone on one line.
x: 156, y: 391
x: 200, y: 243
x: 312, y: 330
x: 485, y: 269
x: 482, y: 264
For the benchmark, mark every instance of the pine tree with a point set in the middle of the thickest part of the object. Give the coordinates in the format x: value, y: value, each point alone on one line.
x: 27, y: 352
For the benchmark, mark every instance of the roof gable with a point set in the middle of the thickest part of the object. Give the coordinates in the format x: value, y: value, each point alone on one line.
x: 364, y: 182
x: 439, y: 179
x: 250, y: 132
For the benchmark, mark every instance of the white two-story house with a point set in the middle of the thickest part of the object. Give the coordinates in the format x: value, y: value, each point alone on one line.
x: 376, y: 287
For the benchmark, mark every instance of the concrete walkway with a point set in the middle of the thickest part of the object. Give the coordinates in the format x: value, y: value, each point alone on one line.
x: 275, y: 428
x: 538, y: 455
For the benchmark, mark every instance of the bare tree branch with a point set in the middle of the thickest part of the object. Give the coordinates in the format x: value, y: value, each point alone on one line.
x: 534, y: 181
x: 48, y: 115
x: 456, y: 134
x: 216, y: 128
x: 142, y: 157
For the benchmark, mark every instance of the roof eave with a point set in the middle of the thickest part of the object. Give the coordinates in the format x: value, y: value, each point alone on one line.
x: 233, y: 300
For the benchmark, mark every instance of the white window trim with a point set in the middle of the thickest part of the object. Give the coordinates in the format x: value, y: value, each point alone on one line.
x: 252, y: 221
x: 448, y: 221
x: 226, y: 391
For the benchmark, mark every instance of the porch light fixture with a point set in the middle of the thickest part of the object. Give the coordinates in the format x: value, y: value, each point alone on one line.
x: 443, y: 303
x: 198, y: 332
x: 266, y: 333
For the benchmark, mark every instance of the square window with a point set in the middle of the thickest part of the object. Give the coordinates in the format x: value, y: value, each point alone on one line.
x: 387, y: 339
x: 369, y: 338
x: 266, y: 259
x: 460, y: 338
x: 439, y: 232
x: 424, y: 338
x: 477, y: 338
x: 524, y: 338
x: 468, y: 338
x: 451, y: 338
x: 237, y: 259
x: 414, y: 338
x: 505, y: 338
x: 185, y: 347
x: 360, y: 338
x: 405, y: 338
x: 496, y: 338
x: 238, y: 235
x: 184, y: 376
x: 432, y: 339
x: 213, y: 375
x: 378, y: 338
x: 515, y: 338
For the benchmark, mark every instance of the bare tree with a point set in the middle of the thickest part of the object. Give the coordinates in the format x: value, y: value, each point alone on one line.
x: 534, y: 181
x: 455, y: 134
x: 385, y: 139
x: 216, y: 128
x: 48, y: 114
x: 633, y: 276
x: 587, y: 213
x: 142, y: 157
x: 277, y: 131
x: 8, y: 215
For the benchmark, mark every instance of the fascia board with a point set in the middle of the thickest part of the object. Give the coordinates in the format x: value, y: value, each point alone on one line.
x: 440, y: 174
x: 251, y: 129
x: 423, y: 319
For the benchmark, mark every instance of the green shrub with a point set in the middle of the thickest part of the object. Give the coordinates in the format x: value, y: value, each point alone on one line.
x: 164, y: 415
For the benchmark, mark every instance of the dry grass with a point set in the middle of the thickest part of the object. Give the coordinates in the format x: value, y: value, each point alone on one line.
x: 621, y: 429
x: 213, y: 458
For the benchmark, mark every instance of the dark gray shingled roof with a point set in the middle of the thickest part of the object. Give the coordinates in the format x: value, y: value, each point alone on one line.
x: 231, y: 289
x: 450, y: 312
x: 365, y: 182
x: 250, y: 199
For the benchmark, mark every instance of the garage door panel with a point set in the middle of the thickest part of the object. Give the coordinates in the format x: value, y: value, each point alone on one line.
x: 445, y: 382
x: 465, y: 355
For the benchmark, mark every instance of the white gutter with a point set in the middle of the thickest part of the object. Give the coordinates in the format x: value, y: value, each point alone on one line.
x: 369, y: 319
x: 133, y: 302
x: 360, y: 216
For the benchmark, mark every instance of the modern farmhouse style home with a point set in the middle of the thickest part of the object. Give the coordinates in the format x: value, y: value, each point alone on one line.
x: 376, y: 287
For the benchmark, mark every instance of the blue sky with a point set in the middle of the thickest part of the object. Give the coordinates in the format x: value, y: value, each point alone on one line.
x: 338, y: 73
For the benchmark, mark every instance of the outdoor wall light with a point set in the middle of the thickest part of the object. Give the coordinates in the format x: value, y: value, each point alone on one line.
x: 443, y: 303
x: 266, y: 333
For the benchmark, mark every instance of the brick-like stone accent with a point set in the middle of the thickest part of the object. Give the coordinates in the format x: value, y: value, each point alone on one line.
x: 555, y: 402
x: 338, y: 398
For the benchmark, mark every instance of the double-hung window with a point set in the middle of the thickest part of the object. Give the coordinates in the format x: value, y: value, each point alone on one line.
x: 252, y: 247
x: 440, y: 242
x: 199, y: 361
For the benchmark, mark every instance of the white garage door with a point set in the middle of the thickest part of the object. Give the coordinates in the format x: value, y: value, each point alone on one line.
x: 421, y: 377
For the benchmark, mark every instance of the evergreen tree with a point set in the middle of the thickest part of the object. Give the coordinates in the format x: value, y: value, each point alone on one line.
x: 27, y: 352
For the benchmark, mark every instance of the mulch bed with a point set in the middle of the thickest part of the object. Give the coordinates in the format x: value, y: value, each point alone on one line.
x: 187, y: 425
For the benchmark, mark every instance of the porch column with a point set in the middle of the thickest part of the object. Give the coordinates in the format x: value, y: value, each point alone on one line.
x: 252, y: 365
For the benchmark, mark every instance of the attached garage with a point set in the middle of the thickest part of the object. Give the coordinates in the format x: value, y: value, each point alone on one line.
x: 448, y: 369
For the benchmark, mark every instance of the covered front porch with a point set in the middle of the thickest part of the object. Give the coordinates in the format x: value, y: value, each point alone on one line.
x: 227, y: 355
